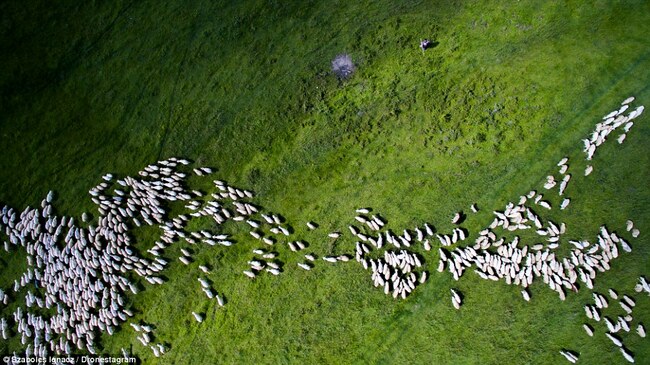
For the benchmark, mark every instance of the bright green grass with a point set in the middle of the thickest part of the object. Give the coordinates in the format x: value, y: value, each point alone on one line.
x: 483, y: 117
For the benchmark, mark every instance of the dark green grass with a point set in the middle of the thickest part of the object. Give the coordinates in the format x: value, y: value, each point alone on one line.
x: 483, y: 117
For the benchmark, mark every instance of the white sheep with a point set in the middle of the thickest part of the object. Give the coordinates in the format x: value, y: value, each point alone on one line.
x: 198, y: 317
x: 615, y: 340
x: 565, y: 203
x: 640, y: 330
x: 569, y: 356
x: 626, y: 355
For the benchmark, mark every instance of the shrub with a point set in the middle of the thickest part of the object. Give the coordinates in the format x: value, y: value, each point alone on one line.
x: 342, y: 66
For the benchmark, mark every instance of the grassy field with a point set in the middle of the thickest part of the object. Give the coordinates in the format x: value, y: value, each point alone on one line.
x: 245, y: 87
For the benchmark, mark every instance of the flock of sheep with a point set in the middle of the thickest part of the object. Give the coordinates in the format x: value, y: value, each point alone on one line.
x: 76, y: 279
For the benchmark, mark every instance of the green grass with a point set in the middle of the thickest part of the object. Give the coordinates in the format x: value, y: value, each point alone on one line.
x: 483, y: 117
